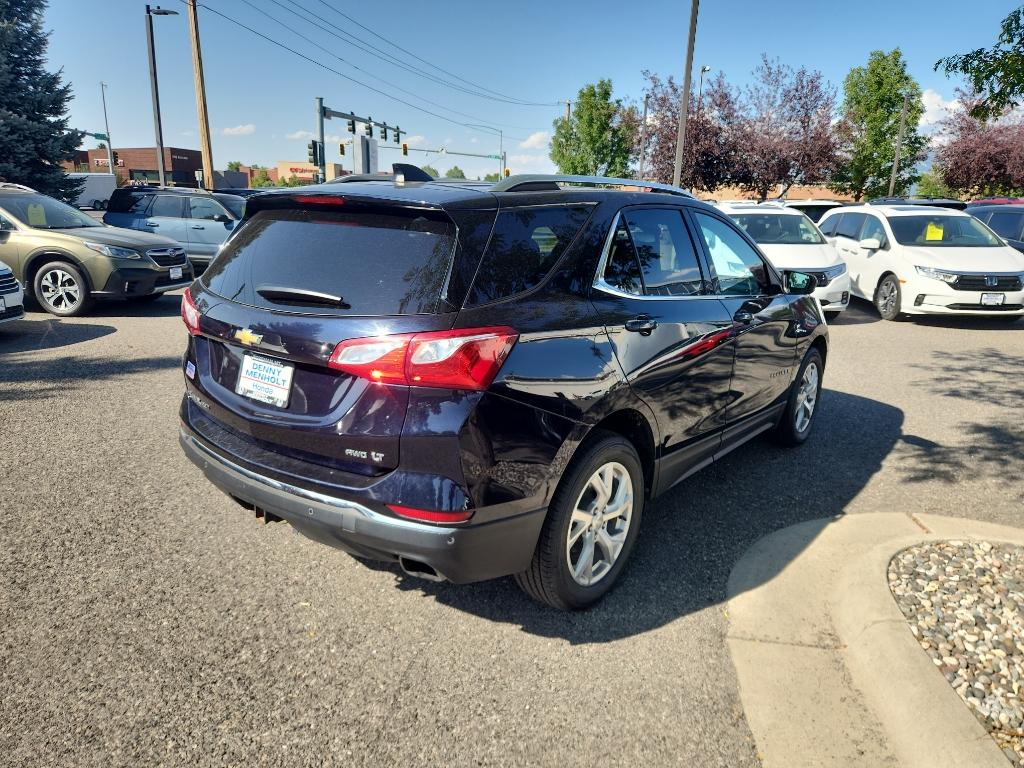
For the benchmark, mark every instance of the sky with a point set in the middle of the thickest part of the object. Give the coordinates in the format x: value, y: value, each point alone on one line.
x: 489, y: 57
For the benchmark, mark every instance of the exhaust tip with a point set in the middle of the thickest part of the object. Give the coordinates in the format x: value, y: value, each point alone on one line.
x: 419, y: 570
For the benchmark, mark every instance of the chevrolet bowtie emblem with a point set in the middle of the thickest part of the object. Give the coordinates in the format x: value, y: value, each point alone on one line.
x: 248, y: 338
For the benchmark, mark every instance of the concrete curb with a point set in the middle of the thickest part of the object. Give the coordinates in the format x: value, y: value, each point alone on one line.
x: 829, y: 672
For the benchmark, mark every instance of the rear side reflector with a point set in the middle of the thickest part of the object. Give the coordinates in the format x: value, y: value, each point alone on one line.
x: 466, y: 358
x: 430, y: 515
x: 190, y: 313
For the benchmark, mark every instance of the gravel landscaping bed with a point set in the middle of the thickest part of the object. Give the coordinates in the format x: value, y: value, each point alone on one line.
x: 964, y: 601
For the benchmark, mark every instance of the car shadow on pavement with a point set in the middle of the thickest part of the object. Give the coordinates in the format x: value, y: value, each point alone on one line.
x: 24, y: 336
x: 857, y: 313
x: 693, y: 535
x: 40, y: 379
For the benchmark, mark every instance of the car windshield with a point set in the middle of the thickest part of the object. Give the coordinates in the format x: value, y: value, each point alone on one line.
x: 778, y: 229
x: 941, y: 231
x: 42, y: 212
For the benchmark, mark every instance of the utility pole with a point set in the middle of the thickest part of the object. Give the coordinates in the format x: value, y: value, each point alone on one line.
x: 197, y: 73
x: 899, y: 145
x: 568, y: 110
x: 321, y: 171
x: 155, y: 88
x: 106, y: 124
x: 643, y: 137
x: 684, y: 106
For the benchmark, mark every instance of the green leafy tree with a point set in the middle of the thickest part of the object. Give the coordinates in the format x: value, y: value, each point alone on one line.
x: 261, y: 179
x: 932, y: 185
x: 431, y: 170
x: 492, y: 177
x: 35, y: 136
x: 996, y: 74
x: 454, y: 173
x: 872, y: 101
x: 234, y: 165
x: 597, y: 138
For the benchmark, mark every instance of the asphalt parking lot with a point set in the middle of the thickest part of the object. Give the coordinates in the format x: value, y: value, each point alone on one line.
x: 146, y: 619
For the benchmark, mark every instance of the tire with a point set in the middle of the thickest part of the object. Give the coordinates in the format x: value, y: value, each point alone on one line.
x: 549, y: 578
x: 60, y: 289
x: 792, y: 428
x: 888, y: 297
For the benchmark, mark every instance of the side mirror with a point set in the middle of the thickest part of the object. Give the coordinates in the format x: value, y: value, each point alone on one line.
x: 223, y: 218
x: 800, y: 283
x: 870, y: 244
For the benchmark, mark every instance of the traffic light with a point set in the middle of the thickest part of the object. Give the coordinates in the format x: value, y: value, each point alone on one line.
x: 384, y: 132
x: 507, y: 173
x: 405, y: 149
x: 369, y: 127
x: 341, y: 149
x: 398, y: 135
x: 351, y: 126
x: 116, y: 159
x: 314, y: 152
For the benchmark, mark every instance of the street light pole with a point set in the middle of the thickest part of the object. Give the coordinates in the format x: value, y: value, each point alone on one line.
x: 899, y: 145
x: 684, y: 106
x: 643, y: 137
x: 157, y: 125
x: 700, y: 86
x: 106, y: 124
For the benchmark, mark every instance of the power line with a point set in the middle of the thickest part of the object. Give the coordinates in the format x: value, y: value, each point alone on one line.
x: 435, y: 66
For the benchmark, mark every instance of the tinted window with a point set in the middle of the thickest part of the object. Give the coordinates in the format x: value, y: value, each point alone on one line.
x: 938, y: 231
x: 850, y: 225
x: 524, y: 245
x: 1006, y: 224
x: 205, y: 208
x: 778, y: 229
x: 129, y: 202
x: 233, y: 203
x: 828, y: 226
x: 741, y: 272
x: 623, y: 269
x: 379, y: 263
x: 172, y: 206
x: 666, y: 254
x: 873, y: 228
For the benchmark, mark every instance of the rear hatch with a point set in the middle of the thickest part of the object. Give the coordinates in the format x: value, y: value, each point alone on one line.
x: 304, y: 272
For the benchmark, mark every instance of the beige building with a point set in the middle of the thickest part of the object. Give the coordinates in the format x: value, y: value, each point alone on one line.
x: 305, y: 172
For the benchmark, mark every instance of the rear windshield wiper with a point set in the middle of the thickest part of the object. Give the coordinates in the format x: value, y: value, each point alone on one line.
x: 300, y: 296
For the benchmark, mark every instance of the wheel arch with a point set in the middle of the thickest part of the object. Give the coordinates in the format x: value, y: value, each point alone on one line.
x: 632, y: 425
x: 36, y: 260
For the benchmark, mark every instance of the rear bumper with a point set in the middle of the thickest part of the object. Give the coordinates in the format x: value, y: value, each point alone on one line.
x: 461, y: 554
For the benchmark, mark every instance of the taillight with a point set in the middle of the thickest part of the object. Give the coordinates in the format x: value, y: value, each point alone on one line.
x: 467, y: 358
x: 190, y: 313
x: 430, y: 515
x: 318, y: 199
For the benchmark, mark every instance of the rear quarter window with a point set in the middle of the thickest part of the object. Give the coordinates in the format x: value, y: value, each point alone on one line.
x: 524, y: 246
x: 380, y: 263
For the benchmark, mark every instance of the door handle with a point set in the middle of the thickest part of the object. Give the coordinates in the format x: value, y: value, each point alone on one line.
x: 743, y: 317
x: 641, y: 324
x: 152, y: 224
x: 198, y: 226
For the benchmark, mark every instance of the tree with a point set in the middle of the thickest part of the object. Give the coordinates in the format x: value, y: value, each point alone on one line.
x: 932, y: 185
x: 234, y: 165
x: 35, y: 136
x: 996, y: 73
x: 431, y: 170
x: 597, y: 138
x: 978, y: 157
x: 492, y: 177
x: 454, y: 173
x: 872, y: 101
x: 261, y: 179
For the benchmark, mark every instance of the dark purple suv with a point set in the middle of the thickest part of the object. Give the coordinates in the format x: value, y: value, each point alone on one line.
x: 477, y: 380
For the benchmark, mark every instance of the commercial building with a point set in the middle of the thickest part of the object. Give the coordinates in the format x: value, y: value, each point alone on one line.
x: 305, y: 172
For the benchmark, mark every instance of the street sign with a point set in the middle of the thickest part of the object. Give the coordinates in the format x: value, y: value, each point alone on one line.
x: 100, y: 136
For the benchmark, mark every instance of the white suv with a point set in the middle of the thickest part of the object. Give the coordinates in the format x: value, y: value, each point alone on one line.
x: 12, y: 298
x: 917, y: 261
x: 791, y: 241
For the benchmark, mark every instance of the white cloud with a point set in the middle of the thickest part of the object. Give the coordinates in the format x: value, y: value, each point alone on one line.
x: 306, y: 135
x: 188, y: 133
x: 415, y: 141
x: 474, y: 140
x: 536, y: 140
x: 239, y: 130
x: 936, y: 108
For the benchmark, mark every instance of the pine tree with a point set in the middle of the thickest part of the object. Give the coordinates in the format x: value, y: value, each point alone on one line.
x: 35, y: 135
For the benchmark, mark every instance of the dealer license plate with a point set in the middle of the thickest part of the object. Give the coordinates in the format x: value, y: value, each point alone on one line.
x: 266, y: 380
x: 3, y: 304
x: 993, y: 299
x: 175, y: 273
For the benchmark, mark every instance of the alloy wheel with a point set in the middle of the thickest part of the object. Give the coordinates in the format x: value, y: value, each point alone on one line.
x: 806, y: 398
x: 887, y: 296
x: 60, y: 290
x: 599, y: 524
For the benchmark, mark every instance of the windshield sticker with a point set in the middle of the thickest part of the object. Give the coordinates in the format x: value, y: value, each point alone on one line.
x: 36, y: 215
x: 933, y: 232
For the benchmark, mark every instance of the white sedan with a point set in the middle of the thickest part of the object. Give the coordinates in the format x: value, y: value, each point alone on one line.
x: 12, y: 298
x: 791, y: 241
x: 925, y: 262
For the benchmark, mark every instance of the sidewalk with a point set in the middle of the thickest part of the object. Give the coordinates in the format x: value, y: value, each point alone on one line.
x: 829, y: 671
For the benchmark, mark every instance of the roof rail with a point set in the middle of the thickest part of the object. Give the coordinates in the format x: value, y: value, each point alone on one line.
x: 12, y: 185
x: 532, y: 182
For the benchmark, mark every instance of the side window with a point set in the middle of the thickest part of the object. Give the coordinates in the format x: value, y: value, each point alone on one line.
x: 667, y: 257
x: 828, y: 226
x: 1006, y: 224
x: 524, y: 246
x: 850, y: 225
x: 135, y: 203
x: 204, y: 208
x: 873, y: 228
x: 741, y: 272
x: 172, y: 206
x: 623, y: 269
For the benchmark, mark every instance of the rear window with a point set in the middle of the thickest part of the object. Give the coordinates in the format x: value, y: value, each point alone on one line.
x: 524, y: 246
x: 392, y: 263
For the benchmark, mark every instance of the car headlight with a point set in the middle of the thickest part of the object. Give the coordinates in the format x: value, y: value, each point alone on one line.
x: 114, y: 251
x: 937, y: 274
x: 833, y: 272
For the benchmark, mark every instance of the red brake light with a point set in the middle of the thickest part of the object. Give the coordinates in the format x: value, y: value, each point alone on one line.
x: 190, y: 313
x: 318, y: 199
x: 430, y: 515
x: 467, y: 358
